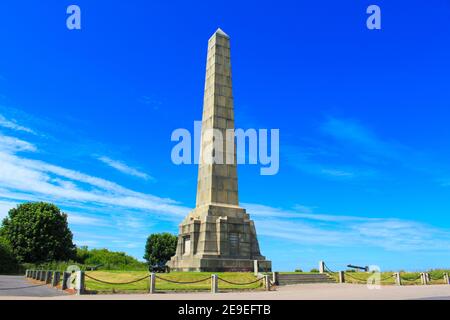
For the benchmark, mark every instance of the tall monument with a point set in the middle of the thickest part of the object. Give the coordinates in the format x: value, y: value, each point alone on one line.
x: 217, y: 235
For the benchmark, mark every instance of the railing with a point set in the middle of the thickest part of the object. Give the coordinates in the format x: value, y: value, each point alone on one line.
x: 398, y: 277
x: 76, y: 281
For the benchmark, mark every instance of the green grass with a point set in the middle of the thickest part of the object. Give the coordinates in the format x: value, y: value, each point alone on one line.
x: 161, y: 285
x: 361, y: 277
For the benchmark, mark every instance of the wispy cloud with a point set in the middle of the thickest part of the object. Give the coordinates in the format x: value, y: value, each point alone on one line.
x: 5, y: 206
x: 13, y: 144
x: 124, y: 168
x: 25, y: 178
x: 11, y: 124
x: 348, y: 231
x: 345, y: 149
x: 85, y: 220
x: 326, y: 163
x: 150, y: 101
x: 352, y: 132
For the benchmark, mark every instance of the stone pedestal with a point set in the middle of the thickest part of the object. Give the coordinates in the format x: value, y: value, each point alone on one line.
x: 218, y: 238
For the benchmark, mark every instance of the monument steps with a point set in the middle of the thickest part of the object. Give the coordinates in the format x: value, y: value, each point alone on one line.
x: 286, y: 279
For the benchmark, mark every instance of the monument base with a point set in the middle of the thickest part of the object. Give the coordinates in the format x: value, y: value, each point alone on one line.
x: 217, y: 238
x: 218, y: 265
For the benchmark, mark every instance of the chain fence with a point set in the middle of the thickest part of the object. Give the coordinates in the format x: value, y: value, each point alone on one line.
x: 116, y: 283
x: 183, y: 282
x: 240, y: 283
x: 409, y: 279
x: 442, y: 277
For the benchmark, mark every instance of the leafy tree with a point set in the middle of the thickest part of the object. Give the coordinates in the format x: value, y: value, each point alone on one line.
x: 160, y: 247
x: 38, y: 232
x: 8, y: 262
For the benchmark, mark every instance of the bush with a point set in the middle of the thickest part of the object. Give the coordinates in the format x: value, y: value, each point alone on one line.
x: 298, y: 270
x: 104, y: 259
x: 314, y: 270
x: 98, y: 259
x: 8, y: 262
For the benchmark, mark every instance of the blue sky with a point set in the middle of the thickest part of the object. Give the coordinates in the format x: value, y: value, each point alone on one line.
x: 86, y: 118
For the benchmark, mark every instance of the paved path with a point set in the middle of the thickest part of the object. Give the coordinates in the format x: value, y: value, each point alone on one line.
x: 18, y: 286
x: 293, y: 292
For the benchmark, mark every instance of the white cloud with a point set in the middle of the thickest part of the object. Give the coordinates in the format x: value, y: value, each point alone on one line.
x: 13, y: 125
x: 13, y: 144
x: 22, y: 178
x: 78, y: 219
x: 341, y: 231
x: 338, y: 173
x: 5, y: 206
x: 122, y: 167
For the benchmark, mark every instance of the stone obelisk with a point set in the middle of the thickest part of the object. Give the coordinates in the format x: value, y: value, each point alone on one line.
x: 217, y: 235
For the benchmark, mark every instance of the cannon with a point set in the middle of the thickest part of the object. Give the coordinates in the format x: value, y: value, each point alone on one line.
x: 365, y: 269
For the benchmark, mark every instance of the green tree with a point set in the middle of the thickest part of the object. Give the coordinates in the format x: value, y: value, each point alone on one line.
x: 8, y: 262
x: 38, y: 232
x: 160, y: 247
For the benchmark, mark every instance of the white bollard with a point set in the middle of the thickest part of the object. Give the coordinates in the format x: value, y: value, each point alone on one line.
x: 423, y: 278
x: 152, y: 286
x: 275, y: 278
x: 79, y: 282
x: 267, y: 283
x: 341, y: 277
x: 446, y: 278
x: 214, y: 284
x: 321, y: 266
x: 255, y: 267
x: 398, y: 279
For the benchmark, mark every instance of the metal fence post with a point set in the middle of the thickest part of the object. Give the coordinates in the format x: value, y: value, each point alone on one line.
x: 275, y: 277
x: 321, y: 266
x: 255, y: 267
x: 398, y: 279
x: 214, y: 284
x: 55, y: 279
x: 48, y: 276
x: 267, y: 282
x: 423, y: 278
x: 79, y: 282
x: 446, y: 278
x: 341, y: 277
x: 66, y: 277
x: 152, y: 286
